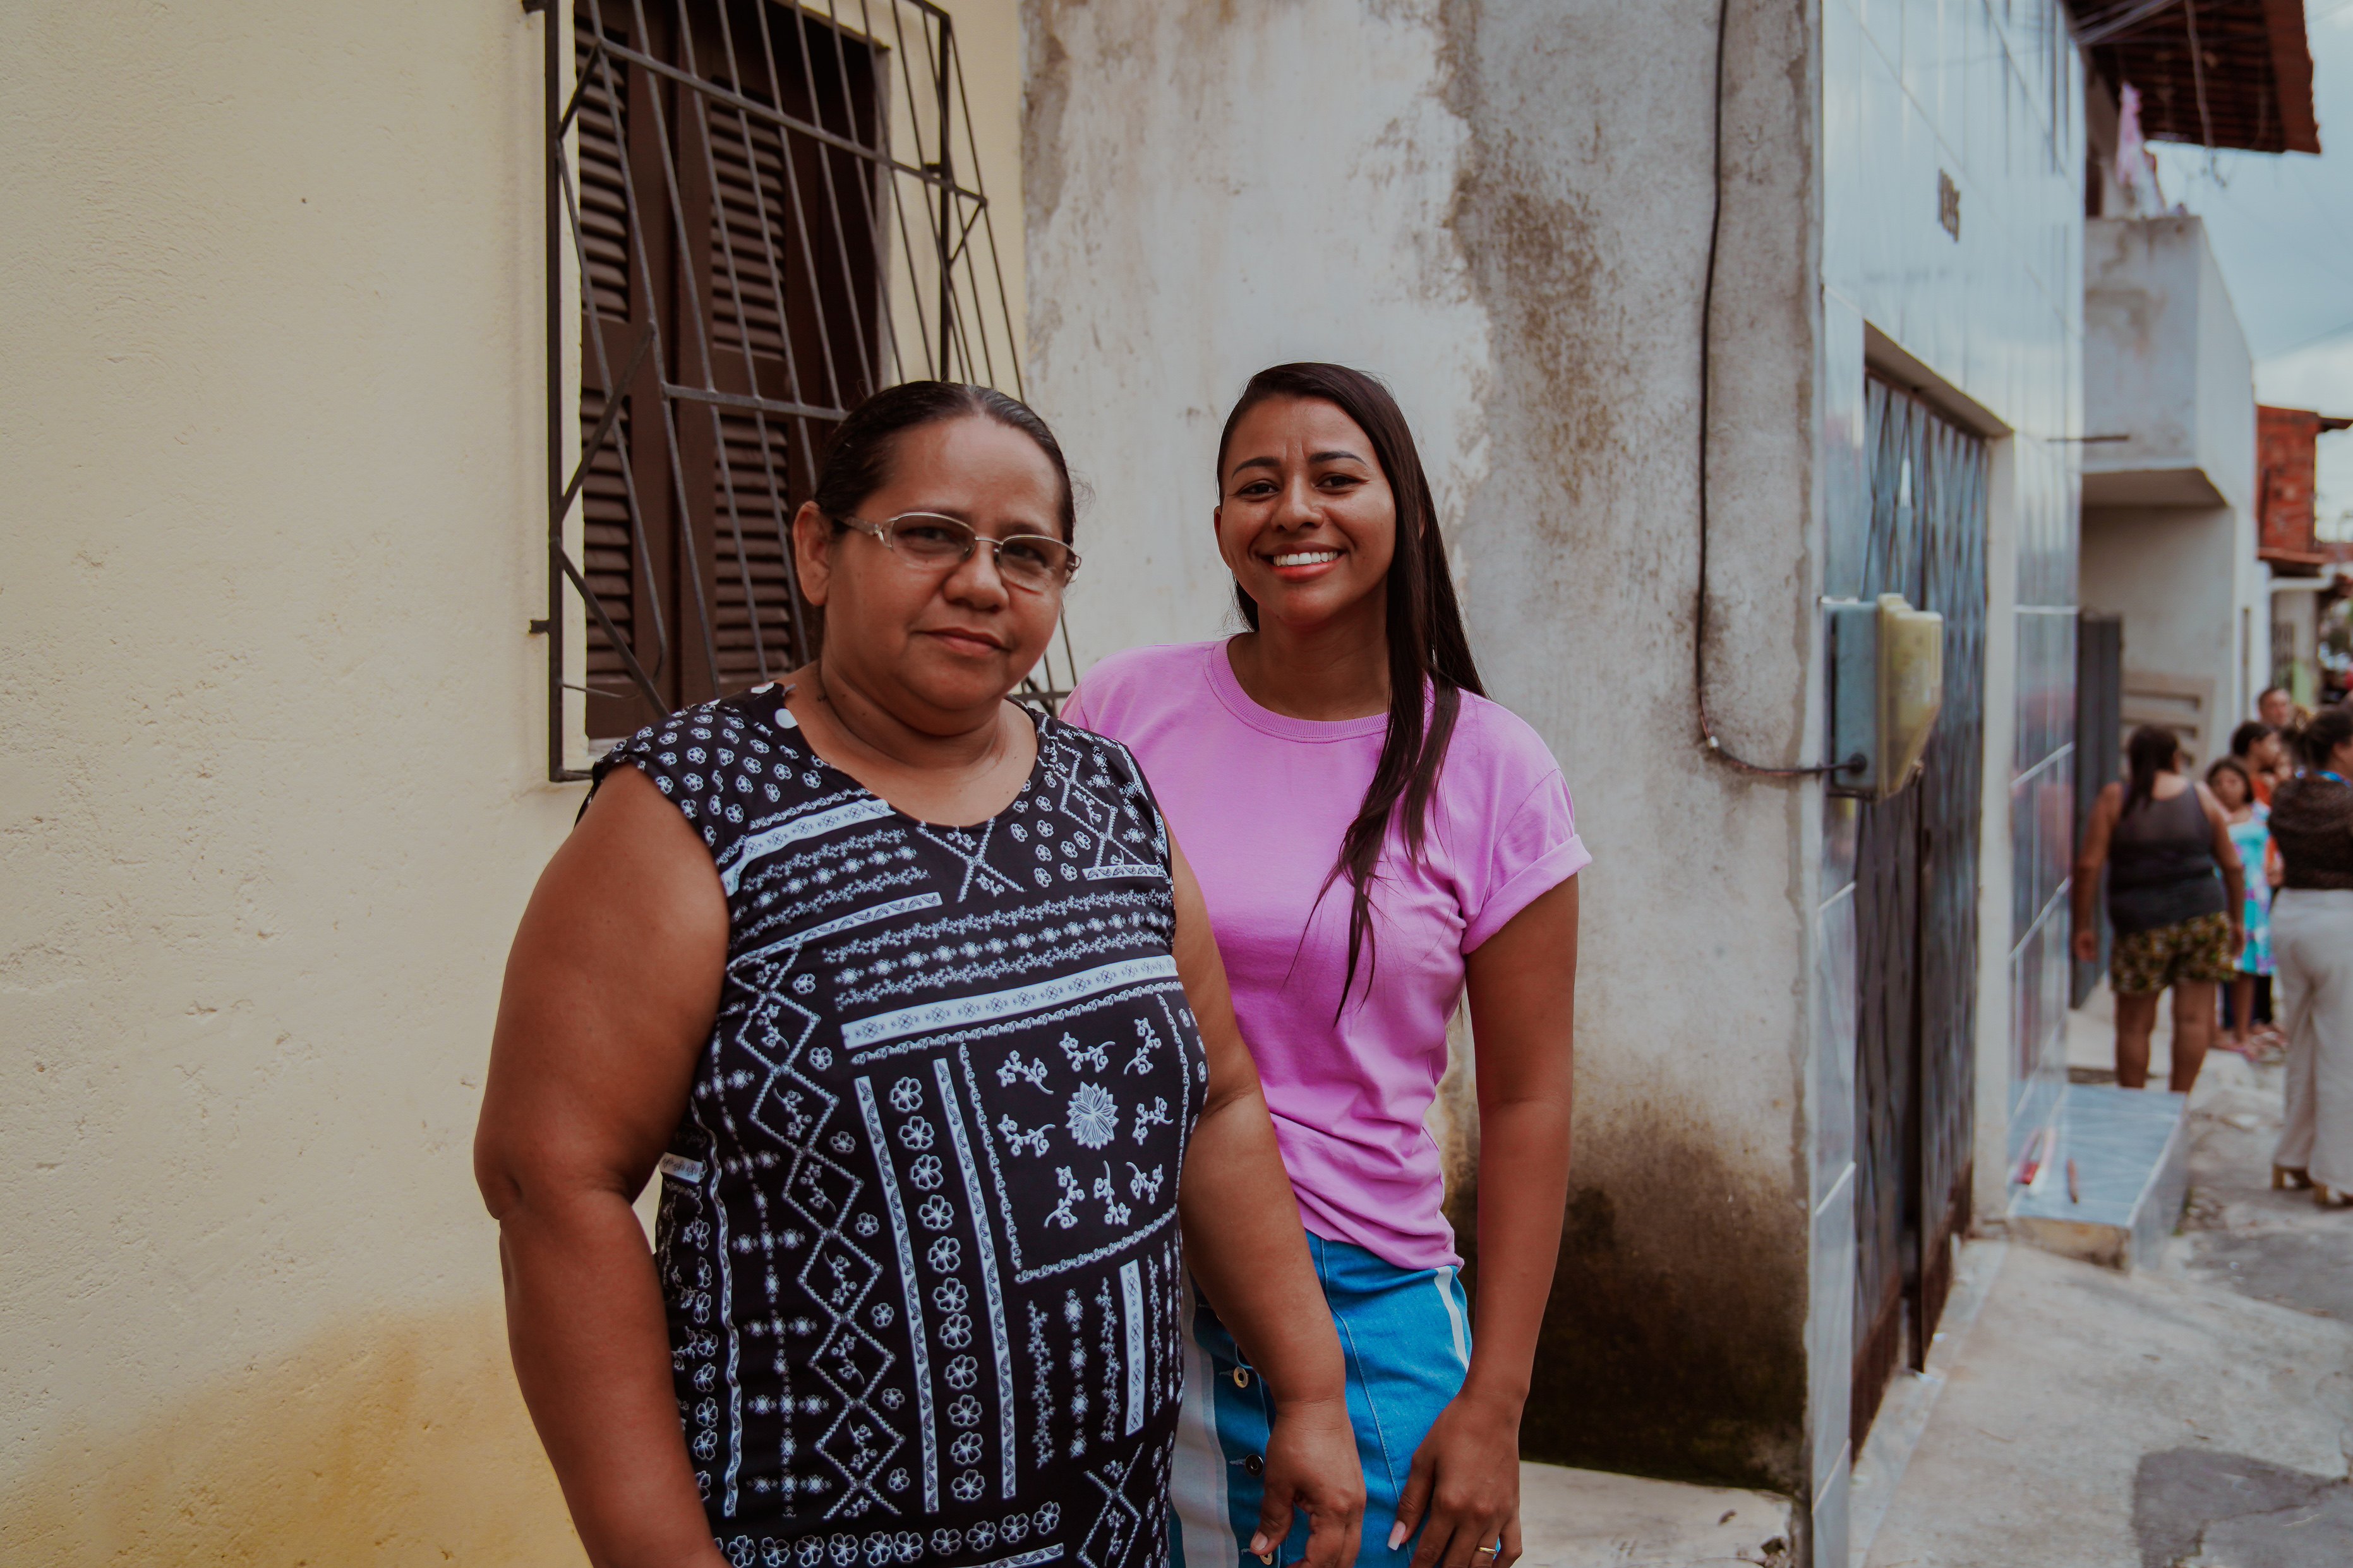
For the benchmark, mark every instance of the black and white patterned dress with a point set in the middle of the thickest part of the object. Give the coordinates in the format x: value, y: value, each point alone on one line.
x: 918, y: 1235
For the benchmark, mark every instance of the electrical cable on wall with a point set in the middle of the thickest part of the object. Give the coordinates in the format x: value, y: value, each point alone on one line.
x: 1706, y: 332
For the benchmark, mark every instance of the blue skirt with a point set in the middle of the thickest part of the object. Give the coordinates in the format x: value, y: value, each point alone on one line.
x: 1406, y: 1335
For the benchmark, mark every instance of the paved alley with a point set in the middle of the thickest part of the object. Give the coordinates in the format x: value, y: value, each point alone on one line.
x: 2199, y: 1413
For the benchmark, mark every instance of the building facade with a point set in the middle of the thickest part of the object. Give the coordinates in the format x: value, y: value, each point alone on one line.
x: 404, y: 412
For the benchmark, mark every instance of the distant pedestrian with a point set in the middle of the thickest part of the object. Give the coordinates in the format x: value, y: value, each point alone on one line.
x: 2312, y: 936
x: 2256, y: 747
x: 2250, y: 836
x: 2278, y: 708
x: 2176, y: 923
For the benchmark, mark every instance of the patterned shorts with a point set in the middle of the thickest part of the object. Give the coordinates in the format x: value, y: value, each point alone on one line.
x: 2195, y: 949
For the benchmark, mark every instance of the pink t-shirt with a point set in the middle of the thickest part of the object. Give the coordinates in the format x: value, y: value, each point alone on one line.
x: 1258, y: 802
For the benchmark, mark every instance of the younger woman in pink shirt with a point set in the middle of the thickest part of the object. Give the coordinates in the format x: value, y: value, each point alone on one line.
x: 1373, y: 838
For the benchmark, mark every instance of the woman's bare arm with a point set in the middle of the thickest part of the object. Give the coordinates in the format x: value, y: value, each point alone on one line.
x: 2226, y: 855
x: 1521, y: 986
x: 1245, y: 1245
x: 610, y: 992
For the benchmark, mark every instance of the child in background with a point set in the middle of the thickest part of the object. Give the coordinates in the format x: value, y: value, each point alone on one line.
x: 2251, y: 835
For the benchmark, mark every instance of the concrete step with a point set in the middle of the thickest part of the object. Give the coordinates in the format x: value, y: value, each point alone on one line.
x: 2111, y: 1178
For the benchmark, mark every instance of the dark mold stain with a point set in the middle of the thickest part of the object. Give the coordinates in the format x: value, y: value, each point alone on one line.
x: 1674, y: 1343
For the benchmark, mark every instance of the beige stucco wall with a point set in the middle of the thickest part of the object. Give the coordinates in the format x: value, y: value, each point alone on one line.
x: 273, y: 796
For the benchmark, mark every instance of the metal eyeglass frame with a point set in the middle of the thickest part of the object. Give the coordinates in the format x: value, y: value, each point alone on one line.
x: 886, y: 531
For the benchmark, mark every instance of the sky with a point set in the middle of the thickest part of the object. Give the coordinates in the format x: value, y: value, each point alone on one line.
x: 2282, y: 228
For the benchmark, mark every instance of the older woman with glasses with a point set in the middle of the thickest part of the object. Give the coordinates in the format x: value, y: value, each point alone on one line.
x: 910, y: 998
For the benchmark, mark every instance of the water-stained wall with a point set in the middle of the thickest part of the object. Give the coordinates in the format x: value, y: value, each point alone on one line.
x: 1503, y: 209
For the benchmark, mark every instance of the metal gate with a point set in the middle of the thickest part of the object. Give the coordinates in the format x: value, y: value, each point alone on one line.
x: 2099, y: 756
x: 1916, y: 906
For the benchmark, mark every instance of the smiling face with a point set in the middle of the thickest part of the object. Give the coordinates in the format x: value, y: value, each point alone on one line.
x: 1306, y: 521
x: 933, y: 645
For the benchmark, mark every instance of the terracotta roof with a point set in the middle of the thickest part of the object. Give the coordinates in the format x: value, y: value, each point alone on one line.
x: 2254, y: 65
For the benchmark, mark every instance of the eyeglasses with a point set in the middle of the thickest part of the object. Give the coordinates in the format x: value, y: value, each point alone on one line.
x: 927, y: 540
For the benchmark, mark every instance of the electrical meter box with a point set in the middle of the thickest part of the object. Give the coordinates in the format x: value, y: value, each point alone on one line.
x: 1887, y: 686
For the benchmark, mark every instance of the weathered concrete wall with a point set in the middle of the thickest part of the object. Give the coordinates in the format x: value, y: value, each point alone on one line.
x: 2176, y: 574
x: 2168, y: 523
x: 1215, y: 190
x: 1503, y: 208
x: 2166, y: 366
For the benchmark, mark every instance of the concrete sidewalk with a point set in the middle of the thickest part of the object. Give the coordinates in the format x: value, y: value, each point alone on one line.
x: 2199, y: 1413
x: 1584, y: 1519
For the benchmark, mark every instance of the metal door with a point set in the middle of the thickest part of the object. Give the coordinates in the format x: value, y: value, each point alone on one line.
x: 2099, y: 756
x: 1916, y: 906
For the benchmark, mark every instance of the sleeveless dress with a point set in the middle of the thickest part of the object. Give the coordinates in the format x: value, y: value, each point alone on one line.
x: 917, y: 1240
x: 2250, y: 838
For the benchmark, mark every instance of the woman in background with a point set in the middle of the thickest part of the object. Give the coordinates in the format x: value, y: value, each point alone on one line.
x: 2312, y: 935
x: 1374, y: 839
x: 2176, y: 923
x: 2234, y: 788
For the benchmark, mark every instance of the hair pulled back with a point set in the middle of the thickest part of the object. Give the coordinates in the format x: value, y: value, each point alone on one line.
x: 2153, y: 750
x: 858, y: 461
x: 1428, y: 651
x: 2328, y: 729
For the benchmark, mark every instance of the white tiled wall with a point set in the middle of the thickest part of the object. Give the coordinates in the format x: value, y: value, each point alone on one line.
x: 1988, y: 93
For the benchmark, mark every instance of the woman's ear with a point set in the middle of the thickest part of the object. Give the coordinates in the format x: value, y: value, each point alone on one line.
x: 812, y: 539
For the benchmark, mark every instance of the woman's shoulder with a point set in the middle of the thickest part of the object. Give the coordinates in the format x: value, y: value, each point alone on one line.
x: 1146, y: 668
x: 1490, y: 740
x: 717, y: 761
x: 1137, y: 684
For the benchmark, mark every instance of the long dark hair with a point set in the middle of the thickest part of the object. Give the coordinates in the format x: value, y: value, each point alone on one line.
x: 859, y: 458
x: 2153, y: 750
x: 2328, y: 729
x: 1427, y: 648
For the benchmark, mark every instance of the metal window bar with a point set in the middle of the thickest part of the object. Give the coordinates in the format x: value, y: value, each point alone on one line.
x: 758, y: 214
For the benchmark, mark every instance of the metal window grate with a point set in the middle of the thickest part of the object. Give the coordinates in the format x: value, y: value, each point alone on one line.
x: 768, y: 212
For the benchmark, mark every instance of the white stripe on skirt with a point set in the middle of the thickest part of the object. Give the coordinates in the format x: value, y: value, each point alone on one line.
x: 1197, y: 1476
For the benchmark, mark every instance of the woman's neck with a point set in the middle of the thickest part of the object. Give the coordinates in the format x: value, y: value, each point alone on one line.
x: 854, y: 726
x: 1331, y: 670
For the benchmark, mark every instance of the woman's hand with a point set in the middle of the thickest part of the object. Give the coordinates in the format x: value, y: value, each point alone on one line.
x: 2087, y: 944
x: 1465, y: 1484
x: 1311, y: 1466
